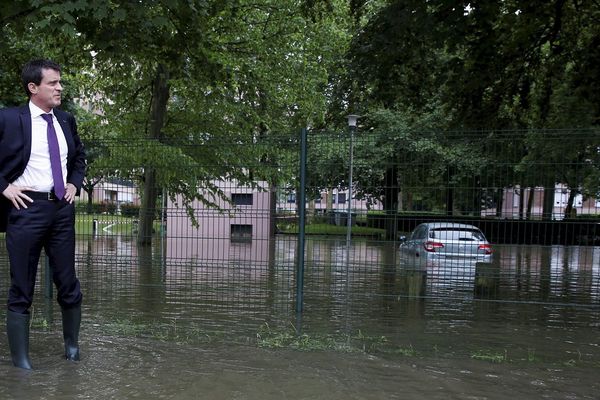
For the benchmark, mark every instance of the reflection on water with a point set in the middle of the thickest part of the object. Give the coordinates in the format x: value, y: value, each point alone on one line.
x: 531, y: 304
x: 534, y: 273
x: 228, y: 286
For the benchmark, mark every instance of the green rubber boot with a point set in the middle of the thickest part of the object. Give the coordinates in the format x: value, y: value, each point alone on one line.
x: 17, y: 330
x: 71, y: 318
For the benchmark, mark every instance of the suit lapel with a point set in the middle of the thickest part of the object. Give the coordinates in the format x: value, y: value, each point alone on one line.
x: 64, y: 124
x: 26, y: 132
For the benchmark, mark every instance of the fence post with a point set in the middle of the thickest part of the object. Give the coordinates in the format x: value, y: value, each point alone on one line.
x: 301, y: 223
x: 48, y: 289
x: 163, y: 230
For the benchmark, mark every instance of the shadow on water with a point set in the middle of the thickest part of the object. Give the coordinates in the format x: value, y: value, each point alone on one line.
x: 224, y: 326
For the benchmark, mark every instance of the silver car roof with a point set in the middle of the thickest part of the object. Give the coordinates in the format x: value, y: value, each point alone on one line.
x: 438, y: 225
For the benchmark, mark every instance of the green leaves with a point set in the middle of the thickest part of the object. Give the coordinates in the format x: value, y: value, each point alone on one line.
x: 493, y: 65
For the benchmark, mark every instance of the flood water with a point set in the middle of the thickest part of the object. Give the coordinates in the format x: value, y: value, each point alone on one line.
x: 163, y: 326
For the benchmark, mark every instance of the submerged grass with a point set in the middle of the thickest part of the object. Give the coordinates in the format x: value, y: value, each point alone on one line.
x: 290, y: 339
x: 171, y: 331
x: 491, y: 356
x: 267, y: 337
x: 407, y: 351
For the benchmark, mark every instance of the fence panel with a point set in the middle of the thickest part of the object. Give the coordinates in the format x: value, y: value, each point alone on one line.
x: 533, y: 194
x: 232, y: 248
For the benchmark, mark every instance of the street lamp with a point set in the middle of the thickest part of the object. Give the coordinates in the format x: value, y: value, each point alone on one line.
x: 352, y: 127
x: 352, y: 119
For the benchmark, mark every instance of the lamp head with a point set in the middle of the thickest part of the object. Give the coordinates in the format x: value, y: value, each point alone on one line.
x: 352, y: 119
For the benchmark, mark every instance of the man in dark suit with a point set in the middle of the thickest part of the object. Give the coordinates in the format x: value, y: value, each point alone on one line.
x: 42, y: 165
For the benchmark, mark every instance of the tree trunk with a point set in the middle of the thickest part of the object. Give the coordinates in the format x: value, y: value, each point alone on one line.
x: 90, y: 200
x: 88, y: 187
x: 158, y: 111
x: 476, y: 205
x: 449, y: 194
x: 530, y: 202
x: 499, y: 201
x: 569, y: 208
x: 390, y: 202
x: 273, y: 210
x: 311, y: 212
x: 408, y: 204
x: 521, y: 202
x: 329, y: 207
x: 548, y: 203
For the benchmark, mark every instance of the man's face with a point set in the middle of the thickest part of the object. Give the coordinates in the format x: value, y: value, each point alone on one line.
x: 47, y: 94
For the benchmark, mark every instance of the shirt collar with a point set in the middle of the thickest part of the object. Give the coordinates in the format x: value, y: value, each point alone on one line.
x: 35, y: 111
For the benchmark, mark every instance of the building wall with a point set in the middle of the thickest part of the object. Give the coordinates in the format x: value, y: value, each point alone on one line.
x: 216, y: 236
x: 112, y: 193
x: 288, y: 202
x: 511, y: 200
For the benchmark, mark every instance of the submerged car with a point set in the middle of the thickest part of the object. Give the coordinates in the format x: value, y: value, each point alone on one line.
x: 437, y: 242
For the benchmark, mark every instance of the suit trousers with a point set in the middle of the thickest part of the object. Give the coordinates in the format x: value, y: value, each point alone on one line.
x: 48, y: 225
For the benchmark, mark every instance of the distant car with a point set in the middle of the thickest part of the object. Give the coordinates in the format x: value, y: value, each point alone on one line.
x: 434, y: 243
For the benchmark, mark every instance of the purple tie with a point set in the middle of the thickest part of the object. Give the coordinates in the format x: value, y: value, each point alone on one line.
x: 55, y: 165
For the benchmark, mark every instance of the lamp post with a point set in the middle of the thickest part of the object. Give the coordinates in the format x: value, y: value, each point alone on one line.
x: 352, y: 119
x: 352, y: 127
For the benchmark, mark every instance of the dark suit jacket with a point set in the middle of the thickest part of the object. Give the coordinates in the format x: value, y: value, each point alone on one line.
x: 15, y: 149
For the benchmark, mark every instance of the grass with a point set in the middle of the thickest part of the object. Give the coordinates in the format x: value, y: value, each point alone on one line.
x: 328, y: 229
x: 108, y: 224
x: 531, y: 355
x: 164, y: 331
x: 265, y: 337
x: 491, y: 356
x: 288, y: 339
x: 278, y: 339
x: 39, y: 323
x: 588, y: 216
x: 406, y: 351
x: 115, y: 224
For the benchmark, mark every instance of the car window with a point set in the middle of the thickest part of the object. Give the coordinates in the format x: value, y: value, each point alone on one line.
x: 414, y: 234
x: 456, y: 234
x: 420, y: 233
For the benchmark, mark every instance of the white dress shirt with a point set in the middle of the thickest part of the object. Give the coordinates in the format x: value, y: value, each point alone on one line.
x: 38, y: 174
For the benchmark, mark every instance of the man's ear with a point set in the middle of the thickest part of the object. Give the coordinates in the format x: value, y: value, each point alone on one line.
x: 33, y: 88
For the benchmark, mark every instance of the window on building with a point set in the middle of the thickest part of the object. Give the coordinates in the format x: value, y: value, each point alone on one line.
x: 241, y: 233
x: 110, y: 196
x: 341, y: 198
x: 241, y: 199
x: 291, y: 198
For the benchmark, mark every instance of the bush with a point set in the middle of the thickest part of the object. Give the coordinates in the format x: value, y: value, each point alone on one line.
x: 130, y: 210
x: 590, y: 217
x: 96, y: 208
x: 81, y: 207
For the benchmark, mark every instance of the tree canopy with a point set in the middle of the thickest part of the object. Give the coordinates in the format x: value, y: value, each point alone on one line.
x: 509, y: 64
x: 193, y: 83
x: 476, y: 66
x: 202, y: 87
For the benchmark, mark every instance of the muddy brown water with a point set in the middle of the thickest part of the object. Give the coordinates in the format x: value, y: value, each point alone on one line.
x: 157, y: 328
x: 121, y: 368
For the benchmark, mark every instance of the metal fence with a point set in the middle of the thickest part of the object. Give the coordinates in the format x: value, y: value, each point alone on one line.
x: 250, y: 241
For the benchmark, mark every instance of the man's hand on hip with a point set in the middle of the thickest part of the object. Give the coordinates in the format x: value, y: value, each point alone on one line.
x: 71, y: 190
x: 16, y: 196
